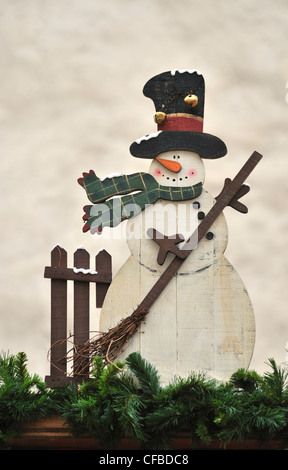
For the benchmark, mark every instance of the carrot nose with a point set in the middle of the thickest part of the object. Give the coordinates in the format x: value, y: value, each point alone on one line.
x: 170, y: 164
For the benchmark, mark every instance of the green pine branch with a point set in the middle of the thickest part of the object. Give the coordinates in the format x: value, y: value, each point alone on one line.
x: 127, y: 400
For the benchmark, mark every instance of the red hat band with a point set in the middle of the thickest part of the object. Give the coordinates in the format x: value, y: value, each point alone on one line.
x: 181, y: 122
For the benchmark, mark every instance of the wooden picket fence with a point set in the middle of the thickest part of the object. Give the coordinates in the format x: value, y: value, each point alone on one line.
x: 82, y: 276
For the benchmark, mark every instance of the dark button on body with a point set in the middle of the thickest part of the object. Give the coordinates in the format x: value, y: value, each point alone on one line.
x: 201, y: 215
x: 196, y: 205
x: 209, y: 235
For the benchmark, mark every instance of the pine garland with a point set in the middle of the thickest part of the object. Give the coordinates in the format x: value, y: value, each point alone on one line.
x: 22, y: 397
x: 129, y: 401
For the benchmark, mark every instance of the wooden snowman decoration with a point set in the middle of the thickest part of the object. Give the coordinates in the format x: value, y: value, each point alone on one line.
x: 202, y: 320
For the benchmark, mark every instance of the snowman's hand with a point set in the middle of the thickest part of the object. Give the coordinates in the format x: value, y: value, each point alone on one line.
x: 237, y: 205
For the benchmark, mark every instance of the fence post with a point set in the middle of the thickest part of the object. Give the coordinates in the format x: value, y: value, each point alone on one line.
x: 103, y: 264
x: 81, y: 312
x: 58, y: 366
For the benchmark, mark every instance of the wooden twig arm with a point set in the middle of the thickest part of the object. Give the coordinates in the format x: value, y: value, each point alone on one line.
x: 235, y: 203
x: 166, y: 244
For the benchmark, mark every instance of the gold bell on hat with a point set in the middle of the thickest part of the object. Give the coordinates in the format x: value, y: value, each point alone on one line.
x: 159, y: 117
x: 191, y: 100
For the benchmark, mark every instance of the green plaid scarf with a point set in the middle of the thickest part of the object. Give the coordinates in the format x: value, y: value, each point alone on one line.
x: 112, y: 212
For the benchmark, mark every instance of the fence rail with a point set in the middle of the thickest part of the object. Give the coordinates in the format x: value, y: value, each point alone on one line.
x: 82, y: 276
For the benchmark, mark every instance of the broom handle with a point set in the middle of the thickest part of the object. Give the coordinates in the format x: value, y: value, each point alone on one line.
x: 223, y: 201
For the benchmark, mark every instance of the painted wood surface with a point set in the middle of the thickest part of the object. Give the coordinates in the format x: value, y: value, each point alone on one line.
x: 54, y: 433
x: 204, y: 320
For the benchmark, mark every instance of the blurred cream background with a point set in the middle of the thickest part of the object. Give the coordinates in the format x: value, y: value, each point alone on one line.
x: 71, y: 79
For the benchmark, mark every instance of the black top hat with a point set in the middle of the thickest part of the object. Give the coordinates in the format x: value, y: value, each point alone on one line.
x: 178, y: 98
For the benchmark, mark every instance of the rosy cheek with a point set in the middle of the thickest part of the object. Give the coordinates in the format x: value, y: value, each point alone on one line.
x: 191, y: 173
x: 157, y: 172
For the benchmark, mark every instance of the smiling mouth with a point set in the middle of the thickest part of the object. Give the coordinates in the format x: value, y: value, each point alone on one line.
x: 170, y: 164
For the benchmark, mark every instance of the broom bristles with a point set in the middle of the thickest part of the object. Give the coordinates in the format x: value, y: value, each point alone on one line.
x: 108, y: 345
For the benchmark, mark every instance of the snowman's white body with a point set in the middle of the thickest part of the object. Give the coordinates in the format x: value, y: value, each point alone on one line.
x: 203, y: 320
